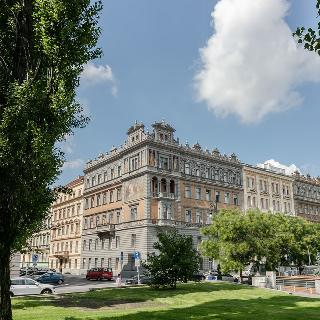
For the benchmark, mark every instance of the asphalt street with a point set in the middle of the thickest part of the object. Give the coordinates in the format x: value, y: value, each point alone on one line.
x: 74, y: 283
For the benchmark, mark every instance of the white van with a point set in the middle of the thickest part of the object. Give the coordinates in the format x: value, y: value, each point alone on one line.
x: 26, y: 286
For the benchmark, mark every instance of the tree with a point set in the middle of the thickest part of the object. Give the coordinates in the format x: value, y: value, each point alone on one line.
x: 235, y: 239
x: 177, y: 260
x: 310, y: 38
x: 44, y: 45
x: 238, y: 239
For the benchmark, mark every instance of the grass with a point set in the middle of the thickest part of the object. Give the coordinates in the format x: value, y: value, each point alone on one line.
x: 193, y: 301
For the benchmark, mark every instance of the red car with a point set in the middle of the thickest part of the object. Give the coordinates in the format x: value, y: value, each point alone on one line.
x: 99, y: 274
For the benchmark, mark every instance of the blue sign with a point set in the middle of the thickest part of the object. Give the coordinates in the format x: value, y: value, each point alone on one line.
x: 121, y: 255
x: 136, y: 255
x: 35, y: 258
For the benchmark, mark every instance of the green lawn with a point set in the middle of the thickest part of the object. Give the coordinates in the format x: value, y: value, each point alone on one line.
x: 194, y: 301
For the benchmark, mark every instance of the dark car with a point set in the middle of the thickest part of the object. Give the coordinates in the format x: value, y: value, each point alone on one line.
x: 99, y: 274
x: 198, y: 277
x: 143, y: 280
x: 51, y: 277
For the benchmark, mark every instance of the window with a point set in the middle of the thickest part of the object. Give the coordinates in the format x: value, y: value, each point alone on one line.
x: 92, y: 202
x: 96, y: 244
x: 110, y: 217
x: 163, y: 162
x: 262, y: 203
x: 85, y: 223
x: 93, y: 181
x: 133, y: 240
x: 91, y: 223
x: 89, y: 263
x: 118, y: 217
x: 187, y: 168
x: 133, y: 214
x: 112, y: 174
x: 87, y: 203
x: 95, y: 262
x: 119, y: 171
x: 118, y: 194
x: 88, y: 183
x: 187, y: 191
x: 109, y: 262
x: 227, y: 197
x: 188, y: 215
x: 134, y: 163
x: 250, y: 182
x: 102, y: 243
x: 198, y: 216
x: 235, y: 200
x: 217, y: 196
x: 102, y: 263
x: 117, y: 242
x: 105, y: 176
x: 76, y: 247
x: 208, y: 195
x: 98, y: 200
x: 198, y: 193
x: 111, y: 195
x: 90, y: 243
x: 104, y: 198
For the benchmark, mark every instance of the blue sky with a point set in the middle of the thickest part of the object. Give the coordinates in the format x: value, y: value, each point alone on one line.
x: 151, y: 49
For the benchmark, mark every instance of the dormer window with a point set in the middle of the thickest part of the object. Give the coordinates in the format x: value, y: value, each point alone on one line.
x: 161, y: 136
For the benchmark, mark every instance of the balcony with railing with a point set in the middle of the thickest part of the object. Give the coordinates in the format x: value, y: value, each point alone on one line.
x: 164, y: 195
x: 62, y: 254
x: 106, y: 230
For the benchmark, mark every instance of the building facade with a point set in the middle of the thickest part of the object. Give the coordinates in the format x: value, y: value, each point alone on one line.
x: 67, y: 212
x: 268, y: 190
x: 307, y: 197
x: 38, y: 245
x: 150, y: 183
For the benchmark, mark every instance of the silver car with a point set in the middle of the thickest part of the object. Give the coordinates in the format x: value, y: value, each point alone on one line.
x: 26, y: 286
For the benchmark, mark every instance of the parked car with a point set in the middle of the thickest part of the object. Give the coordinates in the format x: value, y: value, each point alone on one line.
x: 51, y: 277
x: 227, y: 277
x: 99, y: 274
x: 198, y: 277
x: 26, y: 286
x: 143, y: 280
x: 27, y: 271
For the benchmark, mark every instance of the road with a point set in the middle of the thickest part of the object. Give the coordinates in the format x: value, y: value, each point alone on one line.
x: 74, y: 283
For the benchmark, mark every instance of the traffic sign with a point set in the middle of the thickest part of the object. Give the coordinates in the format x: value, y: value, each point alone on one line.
x: 136, y: 255
x: 35, y: 258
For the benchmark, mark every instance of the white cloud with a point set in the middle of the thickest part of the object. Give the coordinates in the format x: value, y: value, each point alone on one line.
x: 274, y: 165
x: 67, y: 144
x: 251, y: 65
x: 95, y: 74
x: 73, y: 164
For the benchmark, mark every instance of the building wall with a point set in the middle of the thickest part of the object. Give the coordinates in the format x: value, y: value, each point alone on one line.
x: 150, y: 174
x: 307, y: 197
x: 66, y: 231
x: 267, y: 191
x: 39, y: 244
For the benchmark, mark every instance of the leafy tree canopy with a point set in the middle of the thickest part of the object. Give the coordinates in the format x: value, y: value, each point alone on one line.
x: 310, y: 37
x: 44, y: 45
x: 175, y: 260
x: 238, y: 239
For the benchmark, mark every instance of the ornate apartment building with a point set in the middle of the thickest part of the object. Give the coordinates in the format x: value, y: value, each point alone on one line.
x: 39, y: 244
x: 67, y: 211
x: 152, y: 182
x: 307, y: 197
x: 268, y: 190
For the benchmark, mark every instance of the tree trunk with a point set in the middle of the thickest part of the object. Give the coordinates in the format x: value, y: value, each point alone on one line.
x: 5, y: 301
x: 240, y: 275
